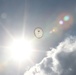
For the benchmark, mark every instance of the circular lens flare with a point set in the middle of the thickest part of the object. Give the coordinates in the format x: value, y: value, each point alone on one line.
x: 61, y: 22
x: 54, y: 30
x: 66, y: 18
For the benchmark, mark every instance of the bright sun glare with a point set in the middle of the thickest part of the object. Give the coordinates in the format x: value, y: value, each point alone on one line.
x: 20, y: 49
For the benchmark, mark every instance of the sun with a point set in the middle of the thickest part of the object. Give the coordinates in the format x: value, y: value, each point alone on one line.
x: 20, y: 49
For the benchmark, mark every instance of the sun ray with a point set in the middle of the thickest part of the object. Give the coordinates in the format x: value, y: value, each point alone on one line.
x: 8, y: 32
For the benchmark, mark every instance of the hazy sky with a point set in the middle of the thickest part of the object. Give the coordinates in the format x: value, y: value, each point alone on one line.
x: 57, y: 18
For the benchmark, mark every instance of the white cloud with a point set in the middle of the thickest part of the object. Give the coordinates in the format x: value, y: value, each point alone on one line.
x: 59, y: 61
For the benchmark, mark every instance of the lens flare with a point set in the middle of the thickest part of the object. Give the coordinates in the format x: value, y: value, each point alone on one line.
x: 54, y: 30
x: 66, y: 20
x: 61, y: 22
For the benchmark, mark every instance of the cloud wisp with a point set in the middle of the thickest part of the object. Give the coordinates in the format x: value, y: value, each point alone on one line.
x: 59, y: 61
